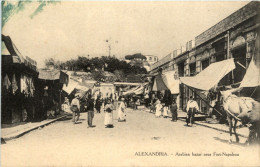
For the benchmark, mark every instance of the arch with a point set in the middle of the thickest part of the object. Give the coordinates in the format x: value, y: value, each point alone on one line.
x: 238, y: 41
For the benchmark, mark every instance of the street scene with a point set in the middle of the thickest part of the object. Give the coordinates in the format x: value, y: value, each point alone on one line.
x: 130, y: 83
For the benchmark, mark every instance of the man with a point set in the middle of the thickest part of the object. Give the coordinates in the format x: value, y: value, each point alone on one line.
x: 192, y: 108
x: 98, y: 104
x: 90, y: 109
x: 173, y: 109
x: 75, y: 108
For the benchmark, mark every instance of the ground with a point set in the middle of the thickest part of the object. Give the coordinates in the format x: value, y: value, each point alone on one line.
x: 65, y: 144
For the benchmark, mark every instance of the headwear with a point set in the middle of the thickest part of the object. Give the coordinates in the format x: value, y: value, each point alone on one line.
x: 77, y: 95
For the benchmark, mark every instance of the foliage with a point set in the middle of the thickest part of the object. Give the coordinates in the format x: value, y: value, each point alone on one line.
x: 135, y: 56
x: 96, y: 65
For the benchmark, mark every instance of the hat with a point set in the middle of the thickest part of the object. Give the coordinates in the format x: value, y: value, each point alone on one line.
x: 77, y: 95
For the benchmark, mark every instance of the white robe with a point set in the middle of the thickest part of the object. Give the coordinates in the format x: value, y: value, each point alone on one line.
x: 158, y: 111
x: 121, y: 111
x: 108, y: 115
x: 165, y: 111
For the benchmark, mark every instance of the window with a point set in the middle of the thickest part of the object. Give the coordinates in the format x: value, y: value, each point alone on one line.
x: 150, y: 58
x: 155, y: 59
x: 204, y: 64
x: 192, y: 69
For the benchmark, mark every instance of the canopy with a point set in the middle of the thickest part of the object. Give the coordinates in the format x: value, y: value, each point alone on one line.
x: 158, y: 84
x: 10, y: 54
x: 171, y: 82
x: 252, y: 76
x: 132, y: 90
x: 210, y: 76
x: 53, y: 74
x: 70, y: 87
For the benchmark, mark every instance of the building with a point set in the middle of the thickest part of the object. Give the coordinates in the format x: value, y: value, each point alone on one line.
x: 143, y: 60
x: 233, y: 37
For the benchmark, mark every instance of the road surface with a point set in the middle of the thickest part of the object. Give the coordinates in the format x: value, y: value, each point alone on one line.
x: 142, y: 140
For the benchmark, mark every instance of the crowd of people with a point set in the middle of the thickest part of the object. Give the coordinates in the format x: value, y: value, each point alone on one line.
x: 168, y: 108
x: 160, y: 107
x: 90, y: 104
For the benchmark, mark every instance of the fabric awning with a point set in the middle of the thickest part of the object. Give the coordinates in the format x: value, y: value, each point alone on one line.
x: 252, y: 76
x: 53, y: 74
x: 10, y: 54
x: 158, y: 84
x: 171, y: 82
x: 70, y: 87
x: 210, y: 76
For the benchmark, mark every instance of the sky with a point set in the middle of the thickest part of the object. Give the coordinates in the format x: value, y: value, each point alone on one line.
x: 69, y: 29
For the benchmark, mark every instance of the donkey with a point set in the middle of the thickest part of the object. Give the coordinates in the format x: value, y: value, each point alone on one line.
x: 239, y: 109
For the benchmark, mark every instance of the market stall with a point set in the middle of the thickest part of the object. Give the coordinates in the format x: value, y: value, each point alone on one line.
x: 19, y: 97
x: 50, y: 83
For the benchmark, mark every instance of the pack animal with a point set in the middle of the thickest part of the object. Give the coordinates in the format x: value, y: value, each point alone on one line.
x: 244, y: 109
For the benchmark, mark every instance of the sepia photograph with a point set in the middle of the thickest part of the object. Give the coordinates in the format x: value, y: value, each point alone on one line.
x: 130, y: 83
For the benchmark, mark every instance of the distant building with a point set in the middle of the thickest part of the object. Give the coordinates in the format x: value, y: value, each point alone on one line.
x: 143, y: 60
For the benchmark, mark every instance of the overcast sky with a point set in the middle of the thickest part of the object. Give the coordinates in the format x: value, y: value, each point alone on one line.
x: 68, y: 29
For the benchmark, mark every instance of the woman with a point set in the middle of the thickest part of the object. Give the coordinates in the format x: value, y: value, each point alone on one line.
x: 174, y: 108
x: 158, y: 108
x: 121, y: 111
x: 109, y: 115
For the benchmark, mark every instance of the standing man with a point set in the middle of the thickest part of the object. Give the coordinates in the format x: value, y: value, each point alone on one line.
x: 192, y: 108
x: 90, y: 109
x: 173, y: 109
x: 98, y: 104
x: 75, y: 108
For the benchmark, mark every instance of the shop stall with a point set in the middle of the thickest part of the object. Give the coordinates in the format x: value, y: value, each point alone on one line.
x: 19, y: 73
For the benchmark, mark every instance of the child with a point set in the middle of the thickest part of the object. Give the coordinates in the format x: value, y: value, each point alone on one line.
x: 165, y: 111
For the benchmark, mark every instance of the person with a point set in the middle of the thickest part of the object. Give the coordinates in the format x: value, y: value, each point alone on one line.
x: 121, y: 111
x: 192, y: 108
x: 158, y: 108
x: 90, y: 109
x: 165, y: 111
x: 173, y: 109
x: 75, y: 107
x: 108, y: 121
x: 66, y: 105
x: 83, y: 105
x: 152, y: 108
x: 98, y: 104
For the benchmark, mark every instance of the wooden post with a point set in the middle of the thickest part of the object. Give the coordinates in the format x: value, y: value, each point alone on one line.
x: 228, y: 55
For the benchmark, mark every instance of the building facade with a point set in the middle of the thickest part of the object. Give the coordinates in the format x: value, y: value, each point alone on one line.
x: 233, y: 37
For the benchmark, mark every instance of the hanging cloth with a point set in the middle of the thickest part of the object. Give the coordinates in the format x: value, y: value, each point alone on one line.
x: 7, y: 82
x: 14, y: 84
x: 32, y: 88
x: 22, y: 83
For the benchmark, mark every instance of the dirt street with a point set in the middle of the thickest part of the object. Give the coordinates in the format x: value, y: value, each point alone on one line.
x: 142, y: 140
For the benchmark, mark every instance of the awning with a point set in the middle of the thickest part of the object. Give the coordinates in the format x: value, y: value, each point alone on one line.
x: 53, y: 74
x: 171, y: 82
x: 131, y: 90
x: 10, y: 54
x: 70, y: 87
x: 252, y: 76
x: 158, y: 84
x: 210, y: 76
